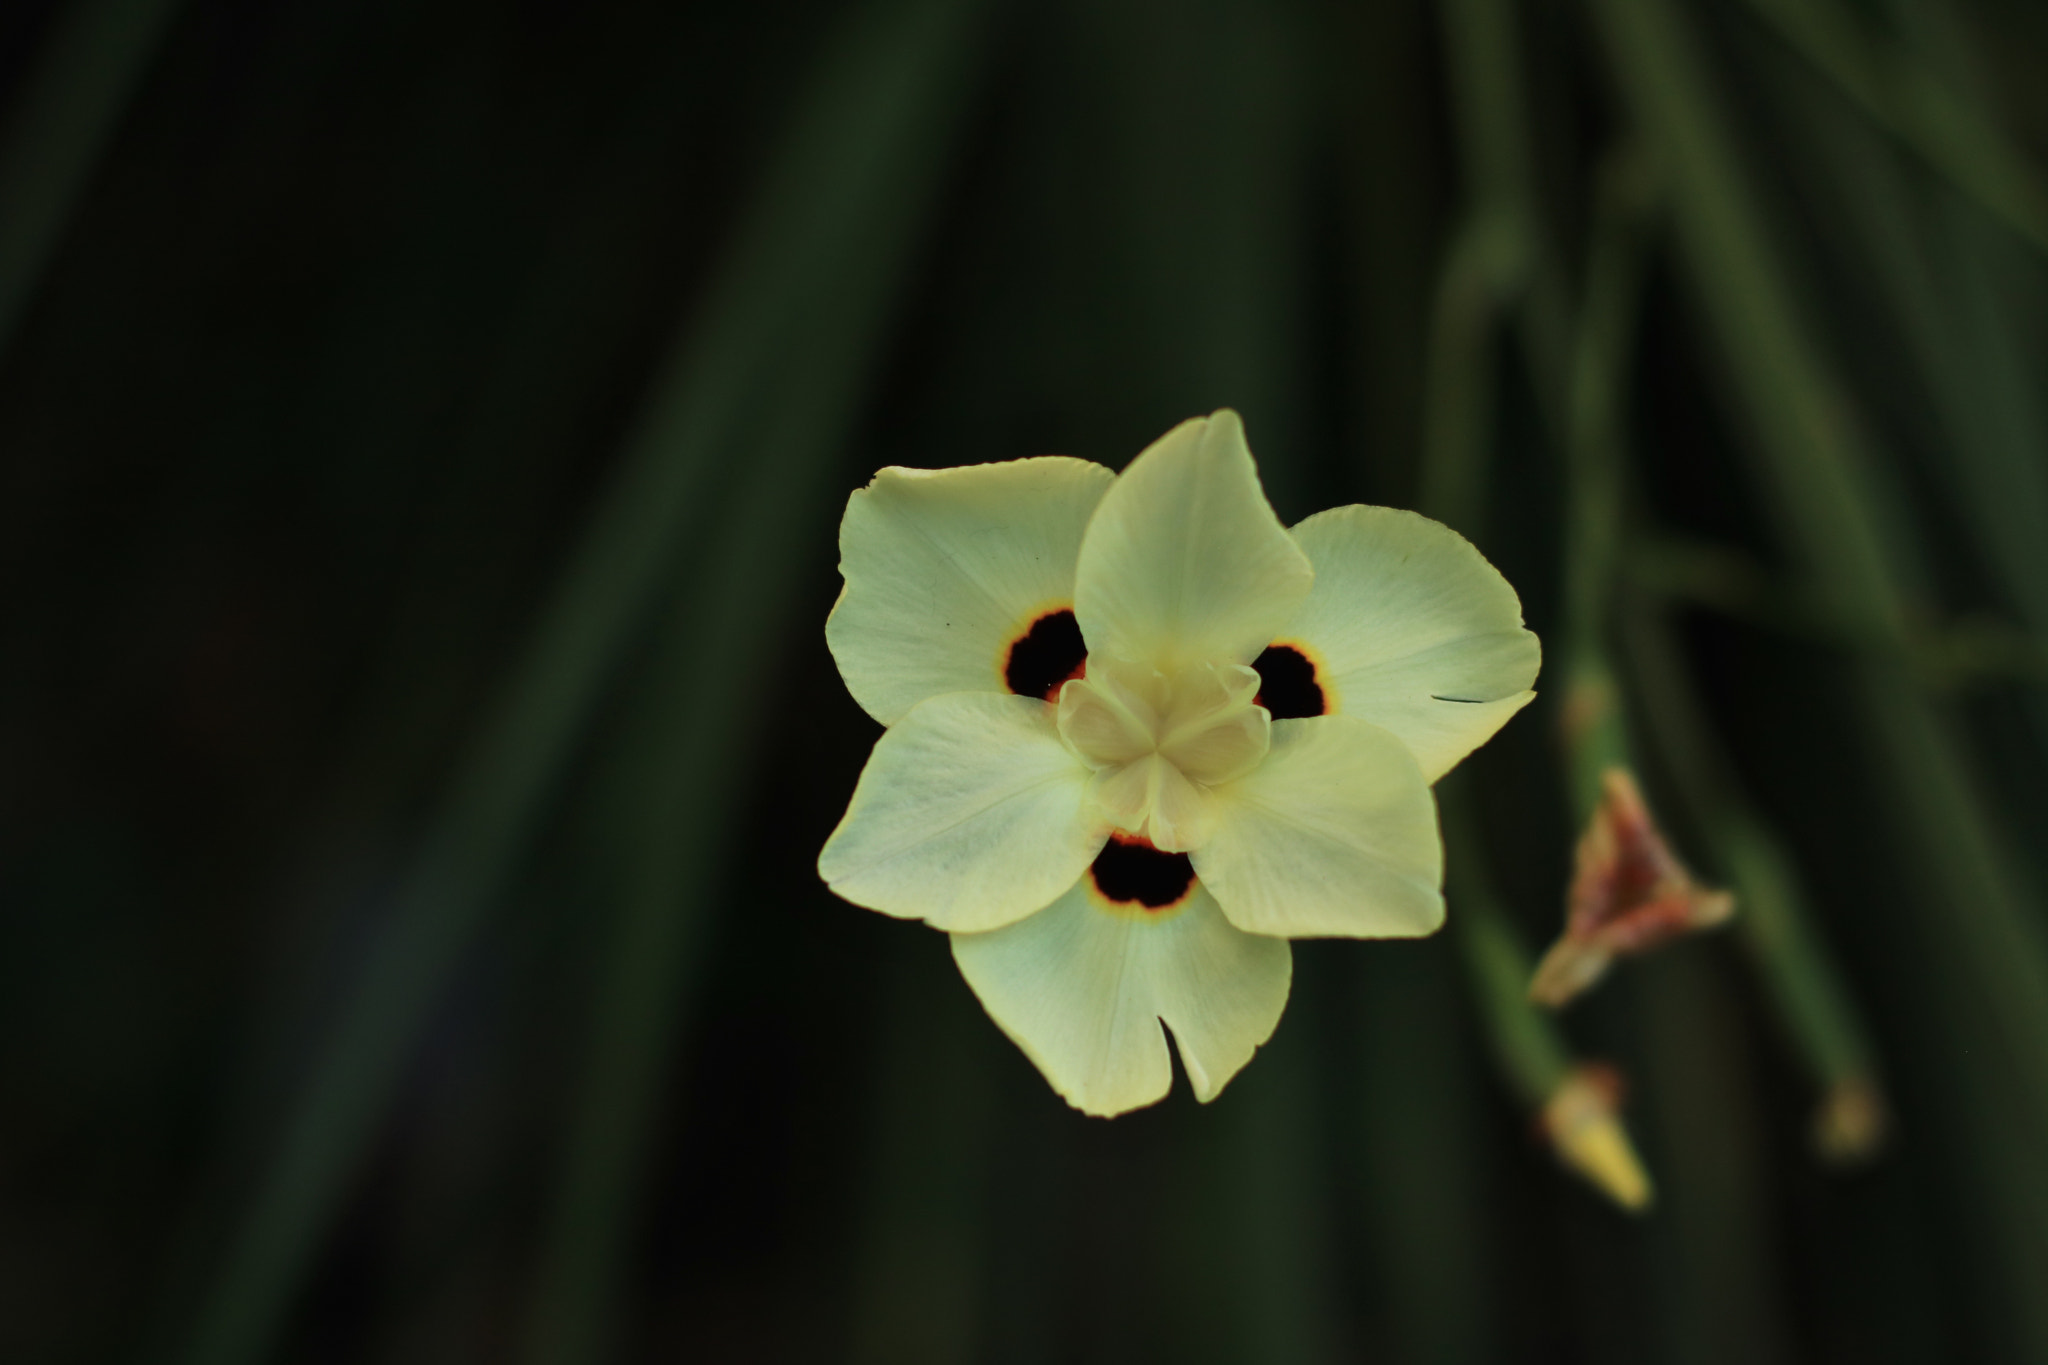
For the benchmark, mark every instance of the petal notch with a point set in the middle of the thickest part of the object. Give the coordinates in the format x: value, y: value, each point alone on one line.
x: 1082, y: 988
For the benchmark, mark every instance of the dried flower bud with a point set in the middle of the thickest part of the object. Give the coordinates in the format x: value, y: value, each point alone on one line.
x: 1629, y: 894
x: 1582, y: 1120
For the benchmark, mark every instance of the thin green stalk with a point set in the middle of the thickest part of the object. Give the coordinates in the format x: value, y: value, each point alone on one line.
x: 1527, y: 1046
x: 1479, y: 275
x: 1596, y: 730
x: 1984, y: 933
x: 1574, y: 1103
x: 1575, y: 362
x: 1962, y: 293
x: 1482, y: 40
x: 1480, y: 278
x: 82, y: 82
x: 837, y: 205
x: 1716, y: 1256
x: 1806, y: 988
x: 1458, y: 432
x: 1916, y: 105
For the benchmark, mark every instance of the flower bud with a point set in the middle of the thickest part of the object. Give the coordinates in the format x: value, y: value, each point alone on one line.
x: 1629, y: 894
x: 1582, y: 1120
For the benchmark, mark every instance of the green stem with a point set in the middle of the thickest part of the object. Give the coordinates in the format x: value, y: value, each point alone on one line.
x: 1527, y: 1047
x: 1806, y: 988
x: 1595, y: 727
x: 1482, y: 273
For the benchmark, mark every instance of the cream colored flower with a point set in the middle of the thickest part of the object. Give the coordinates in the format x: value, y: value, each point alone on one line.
x: 1140, y: 735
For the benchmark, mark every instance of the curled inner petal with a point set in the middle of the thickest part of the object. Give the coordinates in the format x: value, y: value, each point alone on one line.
x: 1152, y: 798
x: 1107, y: 720
x: 1157, y: 743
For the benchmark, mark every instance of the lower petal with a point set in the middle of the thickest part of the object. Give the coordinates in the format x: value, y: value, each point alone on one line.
x: 970, y: 814
x: 1084, y: 985
x: 1334, y: 835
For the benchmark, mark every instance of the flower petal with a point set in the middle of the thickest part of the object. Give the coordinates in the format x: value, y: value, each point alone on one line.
x: 1153, y: 799
x: 970, y: 814
x: 1413, y: 630
x: 1083, y: 985
x: 1333, y: 835
x: 946, y: 568
x: 1185, y: 562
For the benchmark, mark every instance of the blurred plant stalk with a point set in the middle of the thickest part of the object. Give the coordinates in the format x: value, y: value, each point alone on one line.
x: 1914, y: 101
x: 1492, y: 268
x: 1985, y: 937
x: 1629, y: 892
x: 1577, y: 1105
x: 1811, y: 999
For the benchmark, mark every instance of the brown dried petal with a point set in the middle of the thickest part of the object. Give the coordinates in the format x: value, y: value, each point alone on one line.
x: 1629, y: 894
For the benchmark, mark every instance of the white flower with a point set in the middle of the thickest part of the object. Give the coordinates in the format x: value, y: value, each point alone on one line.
x: 1140, y: 735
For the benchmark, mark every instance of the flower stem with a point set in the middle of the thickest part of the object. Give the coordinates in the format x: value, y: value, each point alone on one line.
x: 1489, y: 269
x: 1595, y: 728
x: 1805, y: 986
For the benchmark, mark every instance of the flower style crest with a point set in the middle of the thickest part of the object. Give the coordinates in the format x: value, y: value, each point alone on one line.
x: 1140, y: 734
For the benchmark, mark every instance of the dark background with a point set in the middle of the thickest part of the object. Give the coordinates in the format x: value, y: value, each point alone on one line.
x: 422, y: 429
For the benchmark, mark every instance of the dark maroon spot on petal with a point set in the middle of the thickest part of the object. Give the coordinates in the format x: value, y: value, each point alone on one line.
x: 1287, y: 683
x: 1132, y: 872
x: 1045, y: 656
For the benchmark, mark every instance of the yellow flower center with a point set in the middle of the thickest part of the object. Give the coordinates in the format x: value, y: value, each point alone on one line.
x: 1158, y: 742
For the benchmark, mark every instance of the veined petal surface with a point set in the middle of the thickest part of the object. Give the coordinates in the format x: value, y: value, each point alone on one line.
x: 1411, y: 629
x: 1184, y: 561
x: 1083, y: 985
x: 970, y: 814
x: 945, y: 567
x: 1334, y: 835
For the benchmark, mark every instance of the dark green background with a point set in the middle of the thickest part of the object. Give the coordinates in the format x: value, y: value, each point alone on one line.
x: 422, y: 430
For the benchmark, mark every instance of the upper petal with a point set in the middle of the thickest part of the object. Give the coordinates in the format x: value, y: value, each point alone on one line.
x: 1082, y: 986
x: 945, y: 568
x: 970, y: 814
x: 1184, y: 561
x: 1333, y: 835
x: 1413, y: 630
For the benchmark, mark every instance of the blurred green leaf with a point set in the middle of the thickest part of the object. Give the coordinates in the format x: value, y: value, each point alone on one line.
x: 61, y: 123
x: 836, y: 212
